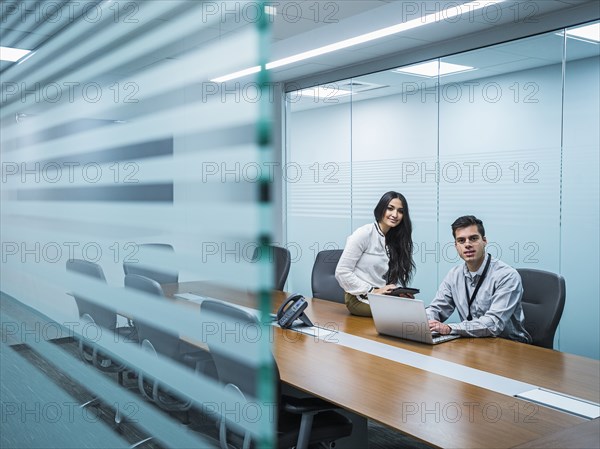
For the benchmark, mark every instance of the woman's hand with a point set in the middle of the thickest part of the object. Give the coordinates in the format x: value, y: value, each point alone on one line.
x: 388, y: 288
x: 384, y: 290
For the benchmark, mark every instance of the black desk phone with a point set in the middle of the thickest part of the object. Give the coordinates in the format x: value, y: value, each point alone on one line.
x: 293, y: 309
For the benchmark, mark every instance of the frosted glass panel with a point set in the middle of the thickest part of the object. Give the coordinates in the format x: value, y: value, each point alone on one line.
x: 316, y: 179
x: 500, y: 149
x: 114, y: 134
x: 579, y: 329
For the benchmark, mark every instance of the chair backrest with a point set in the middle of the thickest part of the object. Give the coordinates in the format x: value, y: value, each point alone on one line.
x: 234, y: 328
x: 543, y: 303
x: 142, y: 268
x: 224, y: 343
x: 102, y: 316
x: 165, y: 343
x: 281, y: 259
x: 324, y: 283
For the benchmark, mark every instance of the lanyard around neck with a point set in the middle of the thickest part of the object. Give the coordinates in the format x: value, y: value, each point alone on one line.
x: 481, y: 278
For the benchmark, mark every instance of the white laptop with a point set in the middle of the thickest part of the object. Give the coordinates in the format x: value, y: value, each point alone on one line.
x: 403, y: 318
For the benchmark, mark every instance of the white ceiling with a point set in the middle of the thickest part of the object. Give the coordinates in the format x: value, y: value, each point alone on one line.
x: 299, y: 25
x: 525, y: 54
x: 358, y: 17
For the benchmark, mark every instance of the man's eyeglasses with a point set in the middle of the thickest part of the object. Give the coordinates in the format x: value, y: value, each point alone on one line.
x: 471, y: 238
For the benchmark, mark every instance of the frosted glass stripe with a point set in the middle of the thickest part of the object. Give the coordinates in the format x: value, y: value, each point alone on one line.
x: 215, y: 259
x: 159, y: 80
x: 235, y: 165
x: 133, y: 303
x: 75, y: 33
x: 187, y: 119
x: 170, y: 32
x: 199, y: 388
x: 162, y: 216
x: 38, y: 394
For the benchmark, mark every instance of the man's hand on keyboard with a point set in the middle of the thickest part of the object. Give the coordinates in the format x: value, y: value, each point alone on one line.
x: 440, y: 328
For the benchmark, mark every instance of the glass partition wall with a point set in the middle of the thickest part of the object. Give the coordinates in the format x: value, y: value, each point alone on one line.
x: 116, y: 133
x: 508, y: 133
x: 317, y: 177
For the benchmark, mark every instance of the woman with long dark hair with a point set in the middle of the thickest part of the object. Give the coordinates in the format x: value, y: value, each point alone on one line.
x: 378, y: 256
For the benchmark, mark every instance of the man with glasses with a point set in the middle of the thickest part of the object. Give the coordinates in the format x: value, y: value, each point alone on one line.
x: 485, y: 291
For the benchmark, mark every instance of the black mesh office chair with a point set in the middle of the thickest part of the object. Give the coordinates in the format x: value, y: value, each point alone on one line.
x: 300, y: 421
x: 324, y: 283
x: 106, y: 318
x: 101, y: 316
x: 141, y: 268
x: 543, y: 303
x: 159, y: 342
x: 281, y: 260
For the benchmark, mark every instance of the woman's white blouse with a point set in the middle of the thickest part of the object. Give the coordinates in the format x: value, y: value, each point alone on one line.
x: 364, y: 262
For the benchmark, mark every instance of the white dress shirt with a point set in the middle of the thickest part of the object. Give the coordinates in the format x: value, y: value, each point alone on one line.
x: 496, y: 310
x: 364, y: 262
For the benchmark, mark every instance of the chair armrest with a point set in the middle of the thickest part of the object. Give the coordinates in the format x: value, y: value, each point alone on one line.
x: 306, y: 405
x: 127, y: 334
x: 198, y: 360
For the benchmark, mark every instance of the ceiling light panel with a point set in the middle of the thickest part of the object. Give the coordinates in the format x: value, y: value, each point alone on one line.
x: 12, y: 54
x: 433, y: 68
x: 590, y: 33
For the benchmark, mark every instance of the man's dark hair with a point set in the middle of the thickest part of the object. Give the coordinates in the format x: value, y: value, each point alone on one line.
x: 465, y: 221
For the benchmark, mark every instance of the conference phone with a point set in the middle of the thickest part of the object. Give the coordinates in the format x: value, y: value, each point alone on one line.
x: 292, y: 309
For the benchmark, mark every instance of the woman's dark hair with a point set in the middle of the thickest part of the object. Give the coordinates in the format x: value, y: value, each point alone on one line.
x: 398, y: 241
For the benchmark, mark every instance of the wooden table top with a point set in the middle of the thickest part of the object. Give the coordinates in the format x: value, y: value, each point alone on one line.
x: 431, y: 407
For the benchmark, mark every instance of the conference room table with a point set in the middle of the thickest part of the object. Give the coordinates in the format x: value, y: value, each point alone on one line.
x: 429, y: 406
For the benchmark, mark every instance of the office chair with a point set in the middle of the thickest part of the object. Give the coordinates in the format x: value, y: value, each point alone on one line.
x: 543, y: 303
x: 159, y: 275
x: 300, y: 421
x: 282, y: 261
x: 165, y: 344
x: 97, y: 315
x: 324, y: 283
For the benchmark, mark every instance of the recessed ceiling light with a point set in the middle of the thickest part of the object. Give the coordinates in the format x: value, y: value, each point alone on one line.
x: 12, y: 54
x: 430, y: 69
x: 590, y: 33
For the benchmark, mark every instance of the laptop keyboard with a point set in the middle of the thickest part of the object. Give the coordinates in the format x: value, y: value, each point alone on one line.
x: 441, y: 338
